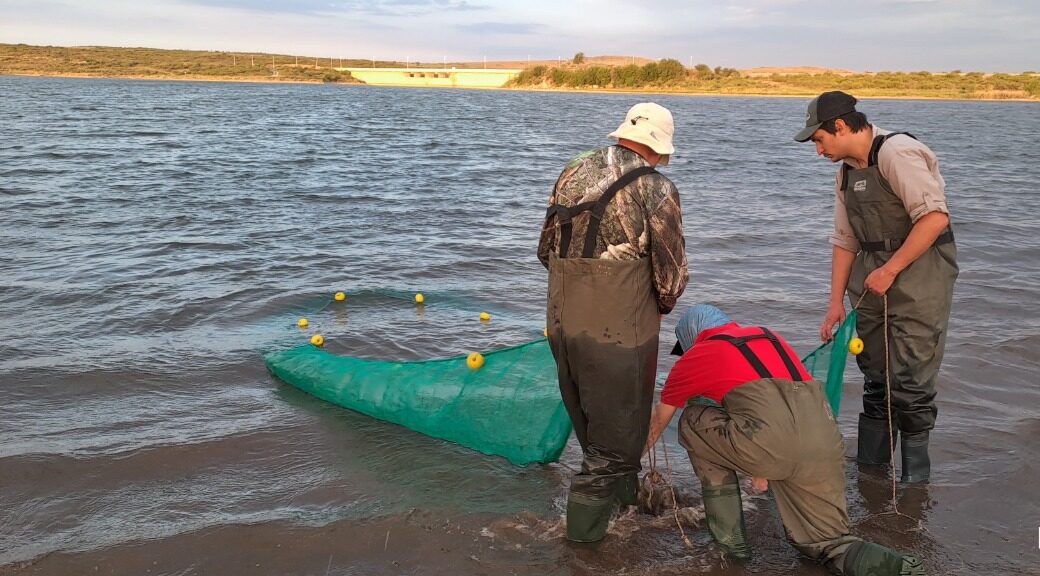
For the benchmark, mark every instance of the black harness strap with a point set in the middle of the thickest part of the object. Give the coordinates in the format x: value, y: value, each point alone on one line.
x: 598, y: 207
x: 753, y: 359
x: 875, y: 148
x: 893, y: 244
x: 601, y: 206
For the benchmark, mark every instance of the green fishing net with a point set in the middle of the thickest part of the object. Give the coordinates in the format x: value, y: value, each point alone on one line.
x: 827, y: 363
x: 509, y: 407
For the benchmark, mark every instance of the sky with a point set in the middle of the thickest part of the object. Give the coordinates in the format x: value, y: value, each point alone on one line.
x: 868, y: 35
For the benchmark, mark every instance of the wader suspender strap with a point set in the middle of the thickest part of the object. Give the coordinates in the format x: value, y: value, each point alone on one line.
x: 597, y: 207
x: 752, y: 358
x: 876, y: 146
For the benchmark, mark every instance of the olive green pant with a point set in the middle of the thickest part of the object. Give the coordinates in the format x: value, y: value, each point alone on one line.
x: 603, y: 327
x: 918, y: 316
x: 785, y: 432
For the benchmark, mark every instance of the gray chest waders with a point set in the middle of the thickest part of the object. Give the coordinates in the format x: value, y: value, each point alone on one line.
x: 918, y: 314
x: 603, y: 325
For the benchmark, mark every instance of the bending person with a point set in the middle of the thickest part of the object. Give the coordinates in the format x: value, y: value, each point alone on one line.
x: 776, y: 426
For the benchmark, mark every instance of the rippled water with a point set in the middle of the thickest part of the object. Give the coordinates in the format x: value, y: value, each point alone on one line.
x: 159, y: 236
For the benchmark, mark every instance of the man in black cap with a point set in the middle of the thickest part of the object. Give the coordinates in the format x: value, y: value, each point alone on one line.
x: 892, y: 238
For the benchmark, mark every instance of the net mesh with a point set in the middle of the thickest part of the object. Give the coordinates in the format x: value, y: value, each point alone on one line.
x: 510, y: 407
x: 827, y: 363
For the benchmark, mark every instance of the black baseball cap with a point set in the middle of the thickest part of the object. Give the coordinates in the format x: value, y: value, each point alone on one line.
x: 826, y: 106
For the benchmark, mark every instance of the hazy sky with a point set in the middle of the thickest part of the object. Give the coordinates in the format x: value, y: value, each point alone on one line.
x: 937, y: 35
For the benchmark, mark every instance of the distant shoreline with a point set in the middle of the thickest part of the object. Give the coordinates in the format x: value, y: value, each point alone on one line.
x: 564, y: 90
x: 174, y: 78
x: 591, y: 75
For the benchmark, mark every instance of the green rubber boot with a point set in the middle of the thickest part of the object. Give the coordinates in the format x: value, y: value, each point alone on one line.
x: 628, y: 489
x: 869, y: 559
x: 873, y: 446
x: 914, y: 455
x: 725, y: 518
x: 588, y: 517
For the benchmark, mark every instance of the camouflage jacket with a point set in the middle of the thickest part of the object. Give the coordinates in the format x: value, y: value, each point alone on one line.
x: 644, y: 220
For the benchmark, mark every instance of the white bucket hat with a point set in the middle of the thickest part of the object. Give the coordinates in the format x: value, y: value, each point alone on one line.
x: 650, y: 124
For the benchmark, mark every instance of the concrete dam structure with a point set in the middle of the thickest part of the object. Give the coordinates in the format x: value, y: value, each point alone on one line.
x: 434, y: 77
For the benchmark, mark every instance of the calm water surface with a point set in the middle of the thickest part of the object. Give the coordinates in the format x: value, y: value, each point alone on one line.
x: 158, y: 237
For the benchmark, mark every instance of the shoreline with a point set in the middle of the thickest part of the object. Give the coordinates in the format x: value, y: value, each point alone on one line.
x: 171, y: 78
x: 651, y: 91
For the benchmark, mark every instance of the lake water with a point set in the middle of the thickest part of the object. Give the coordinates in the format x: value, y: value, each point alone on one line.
x: 158, y: 237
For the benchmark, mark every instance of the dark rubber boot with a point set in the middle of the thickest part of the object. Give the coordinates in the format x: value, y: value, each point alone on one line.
x: 725, y: 518
x: 916, y: 464
x: 588, y: 517
x: 628, y: 489
x: 869, y: 559
x: 873, y: 446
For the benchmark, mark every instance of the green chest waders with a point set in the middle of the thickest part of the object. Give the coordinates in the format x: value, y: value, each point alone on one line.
x: 603, y: 326
x: 918, y: 314
x: 723, y: 510
x: 781, y: 427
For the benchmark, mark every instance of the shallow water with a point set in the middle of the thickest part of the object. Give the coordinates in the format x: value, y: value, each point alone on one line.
x: 159, y: 236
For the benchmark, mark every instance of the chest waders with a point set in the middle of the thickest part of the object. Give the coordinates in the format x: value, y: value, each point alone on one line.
x: 603, y: 326
x: 781, y: 428
x: 918, y: 314
x: 723, y: 511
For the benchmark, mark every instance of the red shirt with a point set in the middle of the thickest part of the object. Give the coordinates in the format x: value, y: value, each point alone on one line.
x: 711, y: 368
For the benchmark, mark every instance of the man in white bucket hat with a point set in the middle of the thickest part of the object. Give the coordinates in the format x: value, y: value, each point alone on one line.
x: 651, y: 126
x: 608, y: 289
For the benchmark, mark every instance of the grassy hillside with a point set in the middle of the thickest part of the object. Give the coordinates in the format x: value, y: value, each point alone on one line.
x: 671, y: 76
x: 167, y: 64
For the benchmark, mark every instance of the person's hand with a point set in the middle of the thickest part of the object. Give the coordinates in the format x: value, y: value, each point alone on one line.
x: 879, y: 281
x: 835, y: 315
x: 759, y: 485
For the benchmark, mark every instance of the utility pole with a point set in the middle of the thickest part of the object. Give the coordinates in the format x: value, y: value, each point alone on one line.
x: 485, y: 62
x: 297, y: 61
x: 251, y: 63
x: 234, y: 60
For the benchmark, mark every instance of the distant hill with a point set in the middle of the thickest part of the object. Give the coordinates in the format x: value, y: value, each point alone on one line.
x: 601, y: 73
x: 153, y: 63
x: 792, y: 70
